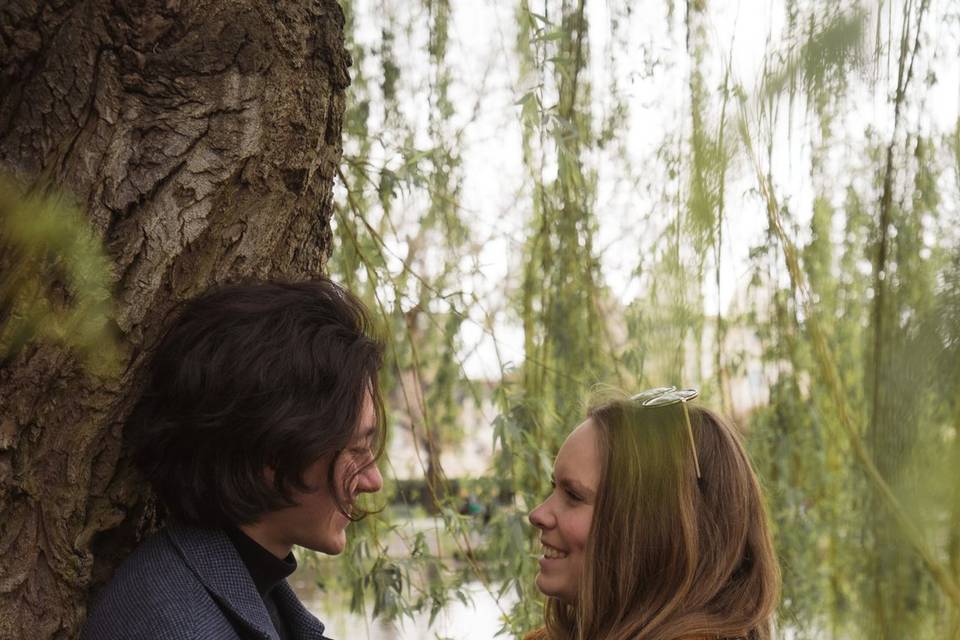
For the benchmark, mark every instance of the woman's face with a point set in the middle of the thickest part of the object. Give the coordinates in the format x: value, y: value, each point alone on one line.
x: 564, y: 518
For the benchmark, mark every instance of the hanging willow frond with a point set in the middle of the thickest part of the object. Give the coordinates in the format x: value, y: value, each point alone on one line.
x: 828, y: 369
x: 831, y: 52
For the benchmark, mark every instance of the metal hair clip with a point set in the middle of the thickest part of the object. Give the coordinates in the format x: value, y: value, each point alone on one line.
x: 665, y: 396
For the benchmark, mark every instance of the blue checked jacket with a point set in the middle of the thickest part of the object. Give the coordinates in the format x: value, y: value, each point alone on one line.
x: 186, y: 583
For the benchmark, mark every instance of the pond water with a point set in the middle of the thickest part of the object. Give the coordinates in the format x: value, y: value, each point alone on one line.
x: 479, y: 619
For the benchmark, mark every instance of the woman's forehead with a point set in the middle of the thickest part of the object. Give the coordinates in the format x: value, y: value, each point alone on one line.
x: 579, y: 457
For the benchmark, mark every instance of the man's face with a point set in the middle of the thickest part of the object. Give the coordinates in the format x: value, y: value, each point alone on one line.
x: 315, y: 522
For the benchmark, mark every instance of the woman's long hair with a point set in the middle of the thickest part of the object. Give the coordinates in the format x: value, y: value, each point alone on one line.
x: 669, y: 556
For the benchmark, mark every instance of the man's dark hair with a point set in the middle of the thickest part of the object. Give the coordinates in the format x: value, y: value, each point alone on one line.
x: 250, y: 377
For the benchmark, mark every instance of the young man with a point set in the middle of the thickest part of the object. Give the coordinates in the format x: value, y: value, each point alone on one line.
x: 259, y: 426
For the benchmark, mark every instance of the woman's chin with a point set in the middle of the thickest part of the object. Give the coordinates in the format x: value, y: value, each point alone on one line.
x: 551, y: 591
x: 546, y: 586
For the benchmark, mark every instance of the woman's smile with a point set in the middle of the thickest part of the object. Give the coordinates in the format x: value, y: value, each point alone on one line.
x: 552, y: 553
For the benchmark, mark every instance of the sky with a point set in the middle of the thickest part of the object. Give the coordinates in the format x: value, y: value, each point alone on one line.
x: 650, y: 65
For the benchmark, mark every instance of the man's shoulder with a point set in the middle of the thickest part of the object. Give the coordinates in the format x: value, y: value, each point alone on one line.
x: 155, y: 568
x: 153, y: 593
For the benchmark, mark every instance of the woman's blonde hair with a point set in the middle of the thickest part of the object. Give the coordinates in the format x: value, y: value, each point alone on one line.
x: 671, y: 556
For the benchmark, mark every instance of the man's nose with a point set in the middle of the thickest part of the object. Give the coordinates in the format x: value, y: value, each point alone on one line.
x: 371, y: 480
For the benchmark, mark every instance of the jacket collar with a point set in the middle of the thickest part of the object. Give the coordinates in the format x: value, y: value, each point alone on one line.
x: 215, y: 561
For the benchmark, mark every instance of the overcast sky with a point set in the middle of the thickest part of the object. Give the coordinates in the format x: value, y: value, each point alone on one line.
x: 495, y: 196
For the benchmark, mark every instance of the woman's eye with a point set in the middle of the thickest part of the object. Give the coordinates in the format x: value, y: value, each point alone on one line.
x: 567, y: 492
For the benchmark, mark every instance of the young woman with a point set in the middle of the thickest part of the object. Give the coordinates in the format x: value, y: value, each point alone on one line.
x: 655, y: 529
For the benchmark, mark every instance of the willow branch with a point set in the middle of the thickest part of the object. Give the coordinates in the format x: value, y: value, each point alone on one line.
x: 829, y: 372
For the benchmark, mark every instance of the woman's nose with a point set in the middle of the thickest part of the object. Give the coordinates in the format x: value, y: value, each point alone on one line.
x: 539, y: 517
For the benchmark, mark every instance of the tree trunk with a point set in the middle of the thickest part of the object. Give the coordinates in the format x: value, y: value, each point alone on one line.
x: 201, y: 137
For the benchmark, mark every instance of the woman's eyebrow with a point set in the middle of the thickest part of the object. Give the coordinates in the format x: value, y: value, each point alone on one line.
x: 575, y: 486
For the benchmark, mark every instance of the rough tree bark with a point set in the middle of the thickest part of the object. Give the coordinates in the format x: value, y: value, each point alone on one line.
x: 202, y: 138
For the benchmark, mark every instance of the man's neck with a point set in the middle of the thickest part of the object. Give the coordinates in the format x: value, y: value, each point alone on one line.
x: 259, y: 534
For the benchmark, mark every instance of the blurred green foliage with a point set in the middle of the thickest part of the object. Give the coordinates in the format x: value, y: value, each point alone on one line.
x: 54, y: 280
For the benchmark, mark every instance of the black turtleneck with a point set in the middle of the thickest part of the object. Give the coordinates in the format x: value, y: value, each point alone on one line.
x: 267, y: 571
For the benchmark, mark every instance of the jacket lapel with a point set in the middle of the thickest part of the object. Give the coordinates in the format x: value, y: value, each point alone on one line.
x: 303, y: 624
x: 214, y: 560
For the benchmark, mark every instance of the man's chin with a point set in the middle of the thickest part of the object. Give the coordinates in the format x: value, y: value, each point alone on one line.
x: 332, y: 546
x: 339, y: 544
